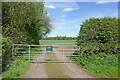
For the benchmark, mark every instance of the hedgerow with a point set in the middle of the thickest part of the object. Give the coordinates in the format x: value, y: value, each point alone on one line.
x: 98, y: 39
x: 99, y: 33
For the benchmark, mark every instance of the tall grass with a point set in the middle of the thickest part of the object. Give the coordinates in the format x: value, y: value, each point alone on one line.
x: 17, y: 69
x: 100, y: 65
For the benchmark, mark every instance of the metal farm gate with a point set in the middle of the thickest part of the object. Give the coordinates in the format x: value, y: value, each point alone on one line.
x: 46, y: 53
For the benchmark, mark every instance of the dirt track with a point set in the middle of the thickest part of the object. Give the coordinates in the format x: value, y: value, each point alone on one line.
x: 72, y: 70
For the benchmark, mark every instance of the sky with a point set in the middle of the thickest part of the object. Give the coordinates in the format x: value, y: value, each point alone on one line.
x: 67, y: 17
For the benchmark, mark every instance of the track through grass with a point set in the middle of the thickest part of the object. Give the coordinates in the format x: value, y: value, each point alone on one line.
x: 55, y: 70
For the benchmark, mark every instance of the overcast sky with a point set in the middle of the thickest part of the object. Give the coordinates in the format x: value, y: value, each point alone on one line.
x: 67, y: 16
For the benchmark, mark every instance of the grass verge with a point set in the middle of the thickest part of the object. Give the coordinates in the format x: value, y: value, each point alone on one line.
x: 102, y: 66
x: 17, y: 69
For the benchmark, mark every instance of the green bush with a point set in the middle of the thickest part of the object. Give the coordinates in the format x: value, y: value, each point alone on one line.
x: 6, y: 52
x: 102, y: 32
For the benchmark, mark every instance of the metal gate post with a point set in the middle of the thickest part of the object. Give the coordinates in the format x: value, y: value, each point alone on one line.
x: 79, y: 51
x: 63, y: 53
x: 13, y: 51
x: 29, y: 53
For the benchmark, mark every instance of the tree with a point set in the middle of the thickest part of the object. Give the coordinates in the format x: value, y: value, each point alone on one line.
x: 25, y: 22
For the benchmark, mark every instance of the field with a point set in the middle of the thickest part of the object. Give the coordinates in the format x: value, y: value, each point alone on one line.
x: 69, y: 43
x: 57, y: 41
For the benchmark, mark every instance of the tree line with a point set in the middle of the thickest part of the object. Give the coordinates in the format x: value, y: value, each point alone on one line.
x: 22, y: 23
x: 59, y: 38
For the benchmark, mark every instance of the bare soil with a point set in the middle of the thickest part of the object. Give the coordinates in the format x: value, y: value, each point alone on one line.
x: 72, y: 69
x: 37, y: 70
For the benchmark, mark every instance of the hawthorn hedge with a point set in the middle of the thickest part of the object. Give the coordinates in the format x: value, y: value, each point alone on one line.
x: 100, y: 34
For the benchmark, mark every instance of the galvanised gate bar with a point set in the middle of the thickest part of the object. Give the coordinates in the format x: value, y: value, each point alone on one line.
x: 47, y: 53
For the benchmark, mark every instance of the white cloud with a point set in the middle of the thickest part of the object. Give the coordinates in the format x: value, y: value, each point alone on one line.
x: 75, y: 0
x: 77, y: 26
x: 59, y: 27
x: 70, y: 9
x: 45, y: 5
x: 74, y: 26
x: 48, y: 14
x: 102, y: 2
x: 50, y: 6
x: 63, y: 16
x: 62, y: 19
x: 63, y: 4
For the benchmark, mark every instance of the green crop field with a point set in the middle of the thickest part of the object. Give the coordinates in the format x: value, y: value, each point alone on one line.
x: 60, y: 42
